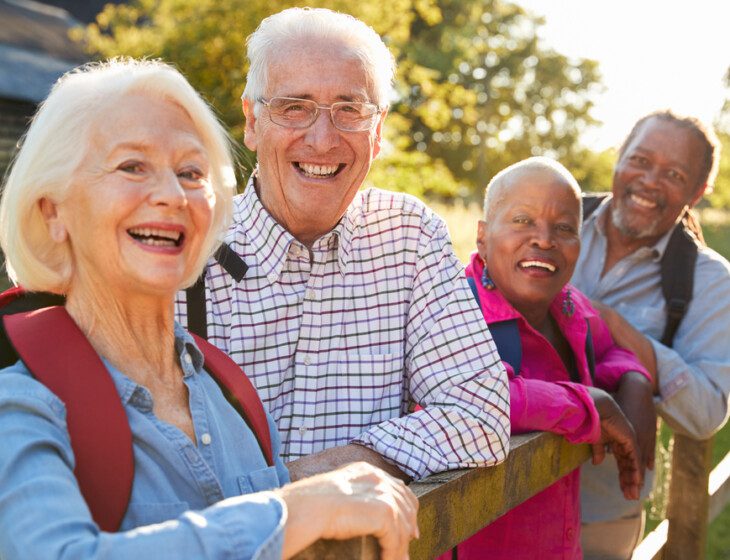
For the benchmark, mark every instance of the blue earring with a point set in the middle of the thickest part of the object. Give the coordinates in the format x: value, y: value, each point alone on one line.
x: 487, y: 281
x: 568, y: 307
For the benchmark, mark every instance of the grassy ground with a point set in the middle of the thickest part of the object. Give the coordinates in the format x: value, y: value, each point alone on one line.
x: 462, y: 222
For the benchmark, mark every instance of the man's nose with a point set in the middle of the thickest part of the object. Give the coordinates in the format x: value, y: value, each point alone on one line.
x: 322, y: 134
x: 651, y: 176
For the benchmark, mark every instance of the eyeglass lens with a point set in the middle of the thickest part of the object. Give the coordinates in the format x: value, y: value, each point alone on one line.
x: 301, y: 113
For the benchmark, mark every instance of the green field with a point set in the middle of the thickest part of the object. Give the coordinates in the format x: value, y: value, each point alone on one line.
x: 462, y: 222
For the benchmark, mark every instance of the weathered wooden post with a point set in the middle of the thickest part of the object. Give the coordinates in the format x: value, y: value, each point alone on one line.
x: 361, y: 548
x: 688, y: 499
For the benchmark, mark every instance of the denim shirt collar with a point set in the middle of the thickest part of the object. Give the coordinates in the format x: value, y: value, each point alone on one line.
x: 130, y: 391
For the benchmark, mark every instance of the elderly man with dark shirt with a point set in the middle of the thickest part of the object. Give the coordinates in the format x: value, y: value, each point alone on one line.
x: 353, y: 307
x: 664, y: 167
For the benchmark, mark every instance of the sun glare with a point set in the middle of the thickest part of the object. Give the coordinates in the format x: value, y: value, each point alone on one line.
x: 653, y: 55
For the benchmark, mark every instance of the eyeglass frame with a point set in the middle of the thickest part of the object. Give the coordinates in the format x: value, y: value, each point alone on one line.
x: 267, y: 102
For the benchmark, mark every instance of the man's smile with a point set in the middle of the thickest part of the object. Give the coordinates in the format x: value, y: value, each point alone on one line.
x: 318, y: 171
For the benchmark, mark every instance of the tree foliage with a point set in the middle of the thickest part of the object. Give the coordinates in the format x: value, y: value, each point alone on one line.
x: 477, y: 90
x: 720, y: 196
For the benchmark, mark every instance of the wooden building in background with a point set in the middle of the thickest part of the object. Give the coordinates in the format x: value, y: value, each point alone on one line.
x: 35, y: 50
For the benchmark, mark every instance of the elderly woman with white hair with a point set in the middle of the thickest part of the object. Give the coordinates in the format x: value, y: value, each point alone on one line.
x: 117, y: 198
x: 555, y: 347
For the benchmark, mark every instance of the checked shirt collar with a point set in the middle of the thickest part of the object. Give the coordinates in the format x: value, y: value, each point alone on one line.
x: 272, y: 242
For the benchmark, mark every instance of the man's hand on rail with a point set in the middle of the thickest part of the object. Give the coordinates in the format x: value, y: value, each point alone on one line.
x: 617, y: 432
x: 635, y: 397
x: 335, y: 457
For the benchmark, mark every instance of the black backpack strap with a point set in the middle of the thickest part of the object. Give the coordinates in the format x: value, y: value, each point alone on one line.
x: 677, y: 276
x: 591, y: 201
x: 590, y: 352
x: 195, y: 294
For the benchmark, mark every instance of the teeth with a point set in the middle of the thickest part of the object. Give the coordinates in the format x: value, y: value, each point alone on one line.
x: 539, y: 264
x: 154, y: 232
x: 156, y: 242
x: 643, y: 202
x: 318, y: 170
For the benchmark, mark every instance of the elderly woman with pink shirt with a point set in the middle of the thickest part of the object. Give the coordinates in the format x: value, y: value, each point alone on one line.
x: 528, y: 245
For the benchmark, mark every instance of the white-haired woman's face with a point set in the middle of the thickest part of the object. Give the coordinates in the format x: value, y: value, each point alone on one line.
x: 141, y: 203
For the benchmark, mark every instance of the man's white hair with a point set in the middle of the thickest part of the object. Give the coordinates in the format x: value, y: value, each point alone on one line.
x: 58, y: 140
x: 497, y: 189
x: 294, y: 25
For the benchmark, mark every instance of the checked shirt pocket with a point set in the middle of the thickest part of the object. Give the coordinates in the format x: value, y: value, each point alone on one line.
x: 363, y: 389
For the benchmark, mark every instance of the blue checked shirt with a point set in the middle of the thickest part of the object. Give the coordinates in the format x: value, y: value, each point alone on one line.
x: 341, y: 343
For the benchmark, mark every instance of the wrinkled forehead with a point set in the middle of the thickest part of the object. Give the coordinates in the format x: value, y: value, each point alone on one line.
x: 667, y: 138
x: 312, y: 63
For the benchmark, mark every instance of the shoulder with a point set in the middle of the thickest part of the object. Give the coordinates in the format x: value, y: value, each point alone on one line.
x: 19, y: 389
x: 710, y: 261
x: 372, y: 205
x: 712, y: 273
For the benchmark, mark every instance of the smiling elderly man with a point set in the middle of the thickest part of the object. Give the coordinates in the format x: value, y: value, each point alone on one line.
x: 664, y: 168
x: 353, y: 306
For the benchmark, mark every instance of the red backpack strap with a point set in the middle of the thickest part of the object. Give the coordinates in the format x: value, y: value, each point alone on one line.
x: 240, y: 392
x: 10, y: 295
x: 97, y: 423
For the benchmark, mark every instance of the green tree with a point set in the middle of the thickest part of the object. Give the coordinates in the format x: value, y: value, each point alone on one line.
x: 482, y: 92
x: 476, y: 89
x: 720, y: 197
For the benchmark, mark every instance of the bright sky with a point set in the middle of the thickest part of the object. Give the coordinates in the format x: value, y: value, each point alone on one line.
x: 653, y: 54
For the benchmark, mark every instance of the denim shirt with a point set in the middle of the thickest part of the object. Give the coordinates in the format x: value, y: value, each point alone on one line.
x: 189, y: 500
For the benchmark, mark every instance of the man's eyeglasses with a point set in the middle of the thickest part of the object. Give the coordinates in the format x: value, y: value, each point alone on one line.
x: 347, y: 116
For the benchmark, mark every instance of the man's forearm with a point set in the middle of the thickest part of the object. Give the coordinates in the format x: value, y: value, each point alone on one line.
x: 335, y: 457
x: 625, y: 335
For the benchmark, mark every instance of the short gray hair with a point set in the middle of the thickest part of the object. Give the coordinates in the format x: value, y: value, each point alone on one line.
x: 293, y: 24
x: 704, y: 133
x: 496, y: 187
x: 57, y: 142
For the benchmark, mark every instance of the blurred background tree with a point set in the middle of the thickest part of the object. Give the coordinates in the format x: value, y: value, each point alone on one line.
x: 720, y: 197
x: 476, y: 89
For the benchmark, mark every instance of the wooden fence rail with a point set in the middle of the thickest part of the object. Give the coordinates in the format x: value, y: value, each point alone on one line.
x: 456, y: 504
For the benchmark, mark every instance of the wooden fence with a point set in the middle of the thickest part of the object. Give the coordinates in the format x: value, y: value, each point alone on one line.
x: 456, y: 504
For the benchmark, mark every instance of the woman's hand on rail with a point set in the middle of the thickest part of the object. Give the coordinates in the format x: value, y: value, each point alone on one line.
x: 355, y: 500
x: 619, y: 435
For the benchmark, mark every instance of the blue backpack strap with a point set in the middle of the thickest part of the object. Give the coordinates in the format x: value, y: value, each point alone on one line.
x: 505, y: 334
x: 474, y: 291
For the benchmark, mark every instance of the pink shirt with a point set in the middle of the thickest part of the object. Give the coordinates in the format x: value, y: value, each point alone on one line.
x: 547, y: 526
